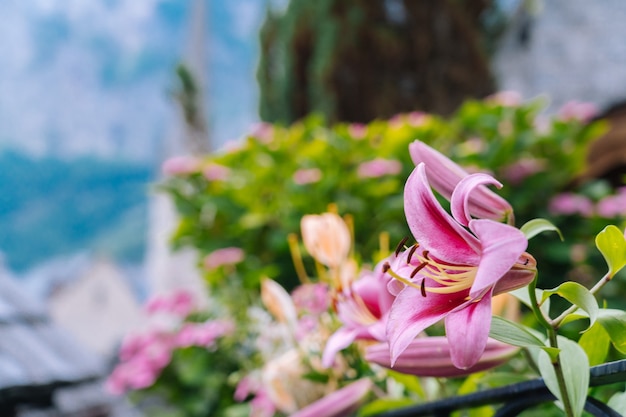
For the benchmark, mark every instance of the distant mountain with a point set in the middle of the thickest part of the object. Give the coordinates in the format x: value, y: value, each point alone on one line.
x: 50, y: 207
x: 93, y: 77
x: 86, y: 110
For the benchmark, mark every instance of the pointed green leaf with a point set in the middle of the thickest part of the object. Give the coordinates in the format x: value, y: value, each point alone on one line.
x: 595, y: 342
x: 533, y: 227
x: 618, y: 402
x: 577, y: 295
x: 612, y: 244
x: 522, y: 295
x: 614, y: 322
x: 410, y: 382
x: 384, y: 404
x: 575, y: 367
x: 517, y: 335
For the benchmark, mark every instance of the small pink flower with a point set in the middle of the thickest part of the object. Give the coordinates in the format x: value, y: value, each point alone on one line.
x: 505, y: 98
x: 202, y: 334
x: 132, y: 344
x: 522, y: 169
x: 357, y: 130
x: 263, y: 131
x: 542, y: 125
x: 261, y: 404
x: 215, y: 172
x: 577, y: 110
x: 396, y: 121
x: 306, y: 325
x: 180, y: 165
x: 568, y: 204
x: 179, y: 303
x: 311, y: 298
x: 417, y: 118
x: 612, y: 206
x: 307, y: 176
x: 379, y: 167
x: 223, y: 257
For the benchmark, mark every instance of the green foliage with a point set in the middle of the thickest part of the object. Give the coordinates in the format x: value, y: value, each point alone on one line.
x: 279, y: 174
x: 575, y: 367
x: 612, y: 244
x: 260, y: 202
x: 350, y: 60
x: 51, y: 207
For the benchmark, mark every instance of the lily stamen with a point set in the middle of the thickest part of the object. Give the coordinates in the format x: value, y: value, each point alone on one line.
x: 411, y: 252
x: 401, y: 245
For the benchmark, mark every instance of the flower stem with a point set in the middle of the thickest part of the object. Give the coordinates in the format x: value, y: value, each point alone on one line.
x: 552, y: 336
x: 297, y: 258
x: 556, y: 323
x: 536, y: 307
x: 560, y: 378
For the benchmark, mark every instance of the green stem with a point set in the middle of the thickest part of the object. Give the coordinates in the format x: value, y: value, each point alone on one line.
x: 558, y: 369
x: 536, y: 307
x: 552, y: 336
x: 556, y: 323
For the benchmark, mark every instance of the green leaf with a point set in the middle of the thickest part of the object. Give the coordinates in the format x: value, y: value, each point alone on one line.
x: 577, y: 295
x: 618, y: 402
x: 575, y: 367
x: 595, y: 342
x: 384, y: 404
x: 523, y: 295
x: 410, y: 382
x: 612, y: 244
x: 614, y: 322
x: 533, y: 227
x: 514, y: 334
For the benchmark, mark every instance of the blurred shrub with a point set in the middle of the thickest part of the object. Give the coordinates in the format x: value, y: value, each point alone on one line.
x: 253, y: 196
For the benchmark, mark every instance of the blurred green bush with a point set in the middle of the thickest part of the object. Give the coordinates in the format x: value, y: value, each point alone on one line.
x: 254, y: 194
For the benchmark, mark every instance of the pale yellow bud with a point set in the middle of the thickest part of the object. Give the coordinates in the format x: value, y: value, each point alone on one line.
x: 327, y: 238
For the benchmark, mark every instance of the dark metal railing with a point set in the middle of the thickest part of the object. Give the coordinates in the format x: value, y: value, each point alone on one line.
x: 518, y: 397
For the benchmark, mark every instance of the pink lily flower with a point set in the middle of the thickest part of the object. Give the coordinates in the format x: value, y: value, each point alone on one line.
x: 444, y: 175
x: 453, y: 271
x: 430, y: 356
x: 363, y: 309
x: 339, y: 403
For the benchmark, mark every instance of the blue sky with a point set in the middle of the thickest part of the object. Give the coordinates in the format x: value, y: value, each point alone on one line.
x: 82, y: 77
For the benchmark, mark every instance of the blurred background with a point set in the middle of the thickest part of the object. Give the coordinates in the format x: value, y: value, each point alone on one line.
x: 94, y: 96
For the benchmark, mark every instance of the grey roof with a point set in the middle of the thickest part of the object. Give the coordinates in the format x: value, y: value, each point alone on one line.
x: 36, y: 356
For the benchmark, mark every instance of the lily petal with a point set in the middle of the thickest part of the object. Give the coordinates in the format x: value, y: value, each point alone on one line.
x: 432, y: 226
x: 502, y: 246
x: 411, y: 313
x: 522, y: 273
x: 468, y: 330
x: 444, y: 175
x: 430, y: 356
x: 278, y: 301
x: 326, y: 237
x: 460, y: 201
x: 339, y: 403
x: 338, y: 341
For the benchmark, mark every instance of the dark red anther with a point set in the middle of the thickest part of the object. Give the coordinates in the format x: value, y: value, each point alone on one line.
x: 418, y: 268
x: 423, y: 287
x: 411, y: 252
x: 401, y: 245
